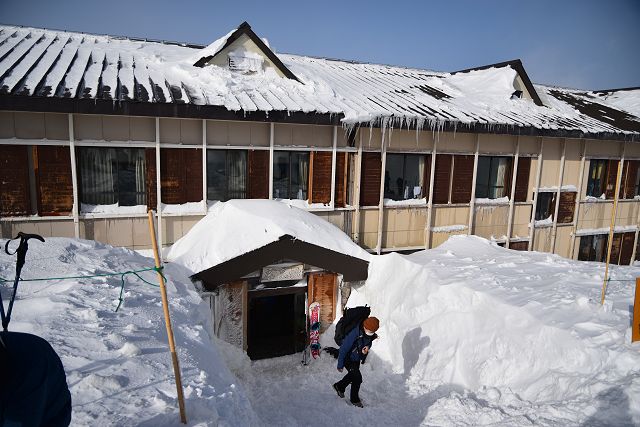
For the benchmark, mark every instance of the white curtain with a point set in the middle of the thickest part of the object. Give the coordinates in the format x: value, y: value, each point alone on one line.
x: 500, y: 190
x: 97, y: 177
x: 139, y: 159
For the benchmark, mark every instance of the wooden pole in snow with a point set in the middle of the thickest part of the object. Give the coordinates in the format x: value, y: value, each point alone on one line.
x: 635, y: 325
x: 611, y: 228
x: 167, y: 320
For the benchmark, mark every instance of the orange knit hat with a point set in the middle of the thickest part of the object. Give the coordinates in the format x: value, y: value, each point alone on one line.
x: 371, y: 324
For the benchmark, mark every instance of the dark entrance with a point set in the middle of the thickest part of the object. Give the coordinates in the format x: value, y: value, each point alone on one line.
x: 276, y: 322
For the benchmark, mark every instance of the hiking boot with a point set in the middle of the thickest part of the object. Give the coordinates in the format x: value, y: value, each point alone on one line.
x: 340, y: 393
x: 358, y: 404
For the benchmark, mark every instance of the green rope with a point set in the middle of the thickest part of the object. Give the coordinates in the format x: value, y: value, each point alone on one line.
x: 122, y: 275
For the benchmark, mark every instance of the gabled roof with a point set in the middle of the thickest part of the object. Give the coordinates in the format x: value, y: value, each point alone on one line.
x: 285, y: 248
x: 57, y: 71
x: 245, y: 29
x: 516, y: 64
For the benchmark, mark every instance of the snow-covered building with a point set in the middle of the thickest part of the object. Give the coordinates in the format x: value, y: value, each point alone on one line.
x: 94, y: 130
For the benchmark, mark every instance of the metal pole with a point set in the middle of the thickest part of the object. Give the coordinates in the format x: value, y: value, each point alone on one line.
x: 167, y: 320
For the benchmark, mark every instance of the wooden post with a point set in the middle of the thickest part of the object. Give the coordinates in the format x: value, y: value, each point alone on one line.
x: 432, y: 174
x: 472, y: 202
x: 554, y: 230
x: 635, y: 324
x: 167, y: 320
x: 532, y: 223
x: 512, y: 196
x: 611, y: 229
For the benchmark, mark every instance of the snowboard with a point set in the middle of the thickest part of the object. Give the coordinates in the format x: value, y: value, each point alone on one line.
x: 314, y: 329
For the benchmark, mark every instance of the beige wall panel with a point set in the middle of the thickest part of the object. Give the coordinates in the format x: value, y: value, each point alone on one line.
x: 115, y: 128
x: 389, y: 221
x: 491, y: 221
x: 369, y: 221
x: 170, y: 131
x: 29, y: 125
x: 87, y: 127
x: 120, y: 232
x: 400, y: 239
x: 410, y: 140
x: 191, y: 132
x: 42, y: 228
x: 337, y: 218
x: 388, y: 239
x: 322, y: 136
x: 495, y: 232
x: 141, y: 237
x: 142, y: 129
x: 371, y: 138
x: 56, y: 126
x: 529, y: 145
x: 632, y: 150
x: 239, y: 133
x: 551, y: 162
x: 416, y: 237
x: 303, y: 135
x: 6, y: 124
x: 217, y: 132
x: 542, y: 242
x: 445, y: 215
x: 343, y: 133
x: 497, y: 144
x: 595, y: 215
x: 457, y: 142
x: 189, y: 222
x: 571, y: 173
x: 627, y: 213
x: 439, y: 238
x: 521, y: 218
x: 282, y: 134
x: 368, y: 240
x: 563, y: 241
x: 95, y: 230
x: 171, y: 229
x: 597, y: 148
x: 260, y: 133
x: 63, y: 229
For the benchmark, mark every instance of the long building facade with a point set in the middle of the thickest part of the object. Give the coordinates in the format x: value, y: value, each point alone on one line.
x: 536, y: 170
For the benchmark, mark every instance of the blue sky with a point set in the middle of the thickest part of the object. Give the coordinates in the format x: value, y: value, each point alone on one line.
x: 580, y: 44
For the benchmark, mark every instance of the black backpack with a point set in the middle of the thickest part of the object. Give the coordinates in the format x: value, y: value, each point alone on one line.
x: 351, y: 318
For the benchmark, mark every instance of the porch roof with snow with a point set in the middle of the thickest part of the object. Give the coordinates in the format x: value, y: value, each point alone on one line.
x: 59, y: 71
x: 239, y: 237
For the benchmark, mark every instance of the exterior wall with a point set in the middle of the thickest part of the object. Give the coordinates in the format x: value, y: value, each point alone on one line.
x: 399, y: 228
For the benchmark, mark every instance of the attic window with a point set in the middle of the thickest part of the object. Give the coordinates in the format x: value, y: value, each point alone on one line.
x: 245, y: 62
x: 516, y: 94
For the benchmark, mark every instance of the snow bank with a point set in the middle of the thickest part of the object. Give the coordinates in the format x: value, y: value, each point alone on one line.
x: 473, y: 315
x: 238, y: 226
x: 118, y: 364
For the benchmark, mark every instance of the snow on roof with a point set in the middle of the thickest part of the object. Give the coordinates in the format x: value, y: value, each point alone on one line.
x: 236, y: 227
x: 58, y: 64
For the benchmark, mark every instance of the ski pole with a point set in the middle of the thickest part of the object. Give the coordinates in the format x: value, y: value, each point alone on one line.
x: 23, y: 247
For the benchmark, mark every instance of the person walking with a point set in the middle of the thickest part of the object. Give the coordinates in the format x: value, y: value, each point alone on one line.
x: 353, y: 351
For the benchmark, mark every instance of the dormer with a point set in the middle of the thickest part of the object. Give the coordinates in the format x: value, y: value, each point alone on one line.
x: 242, y: 51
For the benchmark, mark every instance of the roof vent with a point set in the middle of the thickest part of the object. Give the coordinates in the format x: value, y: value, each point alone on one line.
x: 245, y: 62
x: 517, y: 94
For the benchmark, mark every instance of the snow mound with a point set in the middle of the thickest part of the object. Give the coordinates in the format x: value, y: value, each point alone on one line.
x: 473, y: 315
x: 118, y: 364
x: 239, y: 226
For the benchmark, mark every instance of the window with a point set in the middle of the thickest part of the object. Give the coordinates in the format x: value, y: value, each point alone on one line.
x: 109, y: 176
x: 593, y: 248
x: 597, y: 175
x: 226, y: 174
x: 545, y: 206
x: 492, y: 180
x: 290, y: 175
x: 404, y: 177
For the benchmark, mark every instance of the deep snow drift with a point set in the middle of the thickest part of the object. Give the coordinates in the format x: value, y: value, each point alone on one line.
x: 471, y: 334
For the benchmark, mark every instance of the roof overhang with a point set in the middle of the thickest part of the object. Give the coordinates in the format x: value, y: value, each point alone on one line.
x: 287, y: 247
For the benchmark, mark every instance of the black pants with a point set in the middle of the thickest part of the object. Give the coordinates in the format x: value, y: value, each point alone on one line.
x: 353, y: 377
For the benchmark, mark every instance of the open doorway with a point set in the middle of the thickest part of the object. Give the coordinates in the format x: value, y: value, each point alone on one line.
x: 276, y: 322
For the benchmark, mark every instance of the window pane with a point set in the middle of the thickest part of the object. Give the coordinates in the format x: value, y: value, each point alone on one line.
x: 131, y: 177
x: 596, y: 177
x: 413, y: 177
x: 216, y: 175
x: 497, y: 177
x: 393, y: 177
x: 280, y: 174
x: 299, y: 175
x: 482, y: 177
x: 237, y: 174
x: 584, y: 253
x: 544, y: 205
x: 600, y: 247
x: 98, y: 175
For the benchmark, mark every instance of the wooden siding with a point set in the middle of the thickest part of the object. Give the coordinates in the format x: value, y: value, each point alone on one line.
x: 322, y: 287
x: 427, y: 176
x: 567, y: 206
x: 629, y: 175
x: 462, y: 179
x: 610, y: 178
x: 53, y: 179
x: 342, y: 179
x: 150, y: 178
x: 181, y: 175
x: 522, y: 179
x: 519, y: 246
x: 442, y: 178
x: 616, y: 248
x: 320, y: 177
x: 627, y: 248
x: 258, y: 174
x: 370, y: 181
x: 14, y: 180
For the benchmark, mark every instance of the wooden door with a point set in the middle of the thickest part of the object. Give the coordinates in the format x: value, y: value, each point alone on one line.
x: 323, y: 288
